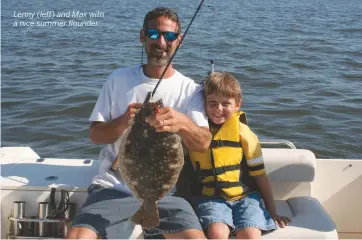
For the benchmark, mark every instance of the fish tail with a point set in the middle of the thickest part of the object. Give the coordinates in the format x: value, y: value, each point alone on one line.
x: 147, y: 216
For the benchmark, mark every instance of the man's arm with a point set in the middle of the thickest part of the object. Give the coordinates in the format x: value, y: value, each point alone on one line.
x: 168, y: 120
x: 194, y: 137
x: 109, y: 132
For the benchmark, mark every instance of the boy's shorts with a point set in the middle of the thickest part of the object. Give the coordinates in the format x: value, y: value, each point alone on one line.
x: 246, y: 212
x: 106, y: 212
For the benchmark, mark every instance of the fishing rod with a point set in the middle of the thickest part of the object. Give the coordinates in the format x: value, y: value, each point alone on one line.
x: 173, y: 55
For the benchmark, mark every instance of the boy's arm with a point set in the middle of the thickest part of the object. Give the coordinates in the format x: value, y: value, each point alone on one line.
x: 265, y: 190
x: 255, y: 163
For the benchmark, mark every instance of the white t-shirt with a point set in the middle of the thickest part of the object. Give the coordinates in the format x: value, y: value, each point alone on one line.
x: 129, y: 85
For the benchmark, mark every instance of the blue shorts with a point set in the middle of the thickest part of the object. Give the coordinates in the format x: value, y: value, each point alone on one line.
x: 246, y: 212
x: 106, y: 212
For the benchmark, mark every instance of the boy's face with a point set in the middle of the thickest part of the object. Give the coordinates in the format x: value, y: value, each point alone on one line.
x: 220, y: 108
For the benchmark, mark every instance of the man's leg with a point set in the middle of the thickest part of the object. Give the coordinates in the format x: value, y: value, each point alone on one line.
x: 105, y: 214
x: 81, y: 233
x: 177, y: 220
x: 187, y: 234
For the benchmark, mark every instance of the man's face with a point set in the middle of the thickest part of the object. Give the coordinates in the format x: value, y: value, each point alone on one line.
x: 159, y: 51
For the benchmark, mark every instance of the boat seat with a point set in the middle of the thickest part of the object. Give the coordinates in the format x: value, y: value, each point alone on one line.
x: 308, y: 220
x: 291, y: 172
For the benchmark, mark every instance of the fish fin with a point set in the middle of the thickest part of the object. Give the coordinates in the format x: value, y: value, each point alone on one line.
x: 147, y: 216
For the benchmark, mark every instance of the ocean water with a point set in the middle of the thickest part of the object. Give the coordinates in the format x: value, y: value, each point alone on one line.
x: 299, y: 64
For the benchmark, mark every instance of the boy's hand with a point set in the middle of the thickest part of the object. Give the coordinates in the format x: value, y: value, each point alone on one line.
x: 281, y: 221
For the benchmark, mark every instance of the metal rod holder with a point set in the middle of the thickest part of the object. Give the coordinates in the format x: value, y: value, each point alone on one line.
x: 40, y: 226
x: 42, y: 214
x: 18, y: 213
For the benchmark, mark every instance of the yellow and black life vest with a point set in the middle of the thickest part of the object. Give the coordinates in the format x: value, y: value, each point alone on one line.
x: 222, y: 170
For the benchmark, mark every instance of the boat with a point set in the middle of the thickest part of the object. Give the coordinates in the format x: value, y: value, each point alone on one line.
x: 322, y: 197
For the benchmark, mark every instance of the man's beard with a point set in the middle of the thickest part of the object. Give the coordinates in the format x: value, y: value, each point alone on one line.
x: 158, y: 59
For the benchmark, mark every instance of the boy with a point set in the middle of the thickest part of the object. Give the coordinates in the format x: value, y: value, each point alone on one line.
x: 231, y: 173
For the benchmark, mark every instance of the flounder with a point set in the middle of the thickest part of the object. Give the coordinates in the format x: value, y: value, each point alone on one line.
x: 150, y: 163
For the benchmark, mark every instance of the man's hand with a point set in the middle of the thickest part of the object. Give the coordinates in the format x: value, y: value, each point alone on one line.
x: 169, y: 120
x: 166, y: 120
x: 109, y: 132
x: 280, y: 221
x: 131, y: 111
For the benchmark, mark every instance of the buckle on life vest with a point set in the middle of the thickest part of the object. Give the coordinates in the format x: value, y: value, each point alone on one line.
x: 216, y: 143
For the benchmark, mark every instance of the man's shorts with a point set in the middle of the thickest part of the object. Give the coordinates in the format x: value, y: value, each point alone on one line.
x: 106, y: 212
x: 246, y: 212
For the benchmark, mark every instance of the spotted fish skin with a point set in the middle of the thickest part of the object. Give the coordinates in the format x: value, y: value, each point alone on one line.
x: 150, y: 163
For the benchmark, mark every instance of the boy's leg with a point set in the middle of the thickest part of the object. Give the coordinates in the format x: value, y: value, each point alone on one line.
x: 104, y: 214
x: 215, y: 216
x: 218, y: 231
x: 248, y: 233
x: 251, y: 218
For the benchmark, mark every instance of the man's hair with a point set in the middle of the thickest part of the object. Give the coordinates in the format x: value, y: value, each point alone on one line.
x: 162, y: 12
x: 222, y: 84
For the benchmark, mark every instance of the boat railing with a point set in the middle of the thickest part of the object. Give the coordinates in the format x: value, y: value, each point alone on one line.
x: 276, y: 142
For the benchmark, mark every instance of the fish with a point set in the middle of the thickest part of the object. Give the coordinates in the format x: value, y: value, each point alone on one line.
x: 149, y: 162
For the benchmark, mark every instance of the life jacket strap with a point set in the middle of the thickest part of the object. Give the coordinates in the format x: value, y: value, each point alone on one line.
x: 198, y: 170
x: 219, y: 170
x: 221, y: 184
x: 224, y: 143
x: 256, y: 168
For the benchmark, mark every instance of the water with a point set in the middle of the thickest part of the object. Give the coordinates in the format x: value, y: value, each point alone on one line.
x: 299, y: 64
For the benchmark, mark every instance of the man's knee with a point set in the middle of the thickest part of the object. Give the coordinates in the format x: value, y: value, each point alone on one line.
x: 81, y: 233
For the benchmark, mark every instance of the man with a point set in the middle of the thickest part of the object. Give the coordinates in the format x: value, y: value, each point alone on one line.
x: 110, y: 204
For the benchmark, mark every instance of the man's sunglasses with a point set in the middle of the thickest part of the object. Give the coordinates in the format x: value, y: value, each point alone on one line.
x: 155, y: 34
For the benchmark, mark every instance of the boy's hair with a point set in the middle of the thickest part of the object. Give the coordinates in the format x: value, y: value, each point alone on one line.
x: 222, y: 84
x: 162, y: 12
